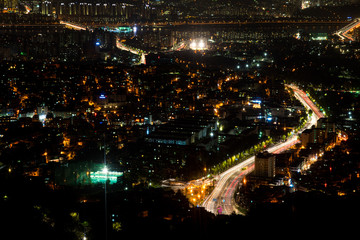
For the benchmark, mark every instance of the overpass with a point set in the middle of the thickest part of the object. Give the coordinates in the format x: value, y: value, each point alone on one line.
x: 343, y: 32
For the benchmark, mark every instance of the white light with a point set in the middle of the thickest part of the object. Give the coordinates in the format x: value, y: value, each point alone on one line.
x: 193, y: 44
x: 198, y: 44
x: 201, y: 44
x: 42, y: 117
x: 105, y: 170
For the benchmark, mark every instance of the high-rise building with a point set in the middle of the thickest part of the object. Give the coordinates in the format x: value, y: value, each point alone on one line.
x: 265, y: 165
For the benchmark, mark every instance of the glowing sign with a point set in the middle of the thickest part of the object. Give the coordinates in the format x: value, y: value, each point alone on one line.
x: 118, y: 29
x: 124, y: 29
x: 102, y: 176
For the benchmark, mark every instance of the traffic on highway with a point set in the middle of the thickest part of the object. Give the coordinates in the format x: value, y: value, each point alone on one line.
x: 221, y: 199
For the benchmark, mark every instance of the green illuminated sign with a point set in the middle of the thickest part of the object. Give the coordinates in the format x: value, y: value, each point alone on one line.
x: 102, y: 176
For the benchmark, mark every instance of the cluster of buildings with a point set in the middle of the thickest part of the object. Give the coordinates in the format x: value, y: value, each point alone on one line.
x: 319, y: 3
x: 113, y: 12
x: 160, y: 121
x: 99, y: 12
x: 275, y: 175
x: 189, y: 109
x: 314, y: 142
x: 184, y: 131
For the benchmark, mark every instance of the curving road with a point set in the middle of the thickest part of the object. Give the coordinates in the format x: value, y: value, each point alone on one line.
x: 343, y: 32
x: 133, y: 50
x: 221, y: 200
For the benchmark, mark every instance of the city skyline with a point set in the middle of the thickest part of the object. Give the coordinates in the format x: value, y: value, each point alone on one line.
x: 178, y: 117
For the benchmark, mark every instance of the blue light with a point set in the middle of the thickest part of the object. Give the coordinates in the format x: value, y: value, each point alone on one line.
x: 102, y: 96
x: 290, y: 183
x: 269, y: 119
x: 97, y: 43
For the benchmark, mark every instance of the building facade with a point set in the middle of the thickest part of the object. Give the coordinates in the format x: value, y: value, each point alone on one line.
x: 265, y: 165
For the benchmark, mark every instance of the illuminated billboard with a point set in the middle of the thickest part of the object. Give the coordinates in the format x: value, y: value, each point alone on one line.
x: 104, y: 175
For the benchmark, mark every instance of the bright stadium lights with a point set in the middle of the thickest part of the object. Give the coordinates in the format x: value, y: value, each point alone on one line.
x: 193, y: 44
x: 198, y: 44
x: 201, y: 44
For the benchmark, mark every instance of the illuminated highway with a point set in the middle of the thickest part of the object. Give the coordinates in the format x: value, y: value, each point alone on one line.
x: 304, y: 99
x: 221, y: 200
x: 133, y: 50
x: 343, y: 32
x: 75, y: 26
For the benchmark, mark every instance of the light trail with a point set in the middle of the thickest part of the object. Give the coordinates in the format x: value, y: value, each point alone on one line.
x: 73, y: 25
x: 292, y: 143
x: 343, y: 32
x: 223, y: 193
x: 124, y: 47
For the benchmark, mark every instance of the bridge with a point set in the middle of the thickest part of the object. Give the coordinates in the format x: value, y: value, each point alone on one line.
x: 75, y: 26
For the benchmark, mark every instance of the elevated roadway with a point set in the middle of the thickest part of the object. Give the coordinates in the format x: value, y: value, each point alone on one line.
x: 343, y: 33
